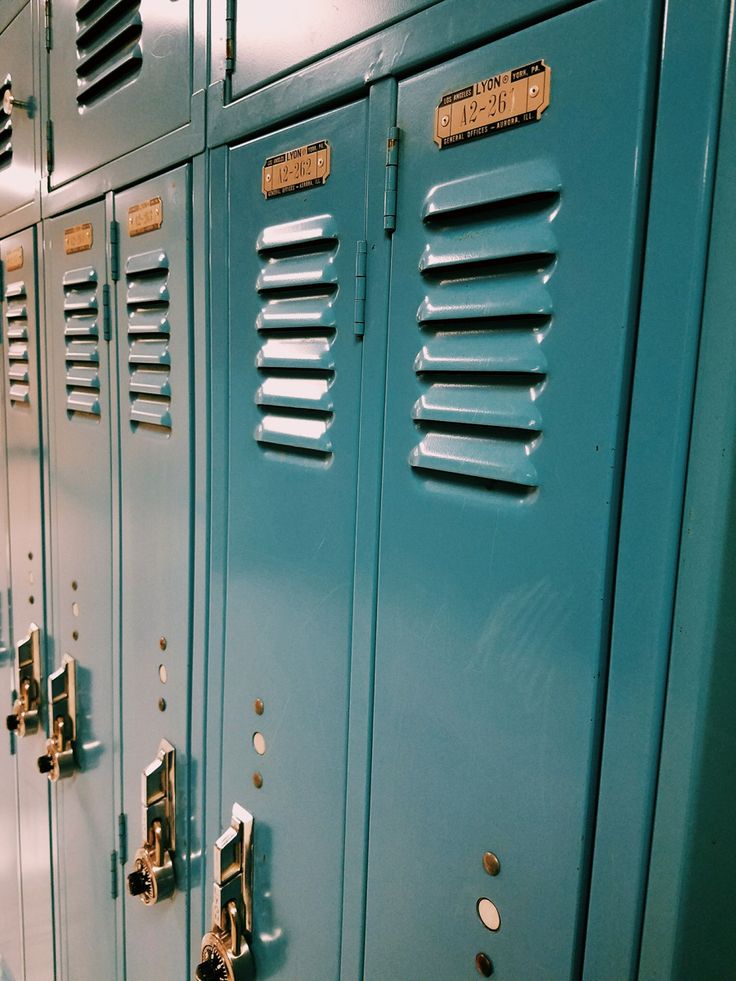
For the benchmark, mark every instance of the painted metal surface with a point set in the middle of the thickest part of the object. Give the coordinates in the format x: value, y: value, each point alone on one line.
x: 120, y: 76
x: 269, y: 43
x: 11, y: 936
x: 659, y: 433
x: 81, y: 407
x: 511, y: 326
x: 154, y: 332
x: 294, y: 408
x: 19, y: 177
x: 25, y: 506
x: 688, y: 929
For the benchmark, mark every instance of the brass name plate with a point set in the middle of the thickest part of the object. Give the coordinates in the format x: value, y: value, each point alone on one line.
x: 14, y: 259
x: 504, y: 101
x: 78, y: 239
x: 296, y: 170
x: 145, y: 217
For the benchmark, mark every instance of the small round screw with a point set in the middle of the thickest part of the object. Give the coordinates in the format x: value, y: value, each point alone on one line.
x: 258, y: 706
x: 162, y: 704
x: 483, y: 965
x: 163, y: 643
x: 445, y: 120
x: 491, y: 863
x: 534, y: 90
x: 257, y: 781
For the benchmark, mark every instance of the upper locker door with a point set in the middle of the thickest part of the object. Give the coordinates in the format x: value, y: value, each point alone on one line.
x: 23, y: 429
x: 120, y: 76
x: 294, y: 394
x: 11, y: 937
x: 19, y: 181
x: 512, y: 317
x: 79, y: 400
x: 156, y: 447
x: 270, y: 42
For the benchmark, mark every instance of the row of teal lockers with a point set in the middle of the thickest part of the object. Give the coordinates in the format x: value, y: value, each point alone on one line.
x: 368, y: 425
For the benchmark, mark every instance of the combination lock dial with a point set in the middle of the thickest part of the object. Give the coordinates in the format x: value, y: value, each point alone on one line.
x: 216, y: 965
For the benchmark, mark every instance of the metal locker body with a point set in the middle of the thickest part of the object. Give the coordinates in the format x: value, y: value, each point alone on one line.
x: 154, y: 338
x: 270, y: 43
x: 11, y: 937
x: 294, y: 407
x: 25, y: 506
x: 120, y: 77
x: 81, y: 409
x: 511, y: 328
x: 19, y: 133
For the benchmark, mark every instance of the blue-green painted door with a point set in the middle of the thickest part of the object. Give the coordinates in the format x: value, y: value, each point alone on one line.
x: 24, y: 448
x: 512, y: 322
x: 294, y: 392
x: 154, y: 337
x: 81, y: 421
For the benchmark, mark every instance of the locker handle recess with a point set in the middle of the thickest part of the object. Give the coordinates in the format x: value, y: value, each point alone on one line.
x: 24, y: 718
x: 226, y: 952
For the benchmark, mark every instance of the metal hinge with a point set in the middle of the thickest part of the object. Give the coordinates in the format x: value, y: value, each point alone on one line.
x: 114, y: 251
x: 106, y: 333
x: 49, y: 146
x: 114, y: 874
x: 122, y: 838
x: 47, y: 24
x: 361, y: 256
x: 230, y: 37
x: 392, y: 166
x: 2, y: 289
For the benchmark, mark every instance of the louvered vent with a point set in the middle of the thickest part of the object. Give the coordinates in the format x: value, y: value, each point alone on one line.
x: 149, y: 359
x: 489, y: 256
x: 81, y: 336
x: 16, y: 315
x: 297, y: 286
x: 108, y: 47
x: 6, y: 128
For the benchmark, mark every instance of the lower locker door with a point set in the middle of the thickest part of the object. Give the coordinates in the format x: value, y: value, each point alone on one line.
x: 81, y: 585
x: 11, y: 938
x: 511, y: 330
x: 295, y: 368
x: 23, y: 429
x: 156, y: 445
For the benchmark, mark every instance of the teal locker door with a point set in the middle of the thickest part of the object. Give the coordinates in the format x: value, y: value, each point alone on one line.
x: 271, y: 42
x: 512, y: 316
x: 120, y: 76
x: 294, y: 395
x: 79, y: 403
x: 11, y: 937
x: 19, y: 181
x: 156, y: 446
x: 23, y: 429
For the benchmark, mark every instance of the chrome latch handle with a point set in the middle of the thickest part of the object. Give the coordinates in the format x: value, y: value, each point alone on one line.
x: 59, y: 760
x: 25, y: 717
x: 153, y: 877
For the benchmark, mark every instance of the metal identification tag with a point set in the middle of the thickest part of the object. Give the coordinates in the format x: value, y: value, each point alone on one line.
x: 78, y: 239
x: 296, y: 170
x: 14, y: 259
x: 504, y: 101
x: 145, y: 217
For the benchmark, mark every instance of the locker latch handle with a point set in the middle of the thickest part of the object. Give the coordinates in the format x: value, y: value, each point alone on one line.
x: 226, y: 949
x: 9, y: 102
x: 25, y: 717
x: 59, y: 760
x: 153, y: 877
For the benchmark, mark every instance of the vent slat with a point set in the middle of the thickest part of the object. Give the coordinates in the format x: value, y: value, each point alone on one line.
x: 15, y: 290
x: 17, y: 331
x: 317, y: 313
x: 84, y: 377
x: 17, y: 337
x: 18, y: 371
x: 296, y: 272
x: 20, y: 393
x: 489, y: 255
x: 299, y: 432
x: 147, y: 298
x: 6, y: 129
x: 296, y: 352
x: 318, y: 228
x: 86, y: 276
x: 81, y: 349
x: 86, y: 402
x: 504, y: 407
x: 296, y: 393
x: 16, y: 311
x: 109, y: 54
x: 486, y: 351
x: 18, y: 351
x: 81, y: 326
